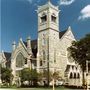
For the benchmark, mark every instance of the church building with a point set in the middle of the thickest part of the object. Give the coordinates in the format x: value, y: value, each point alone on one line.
x: 48, y: 51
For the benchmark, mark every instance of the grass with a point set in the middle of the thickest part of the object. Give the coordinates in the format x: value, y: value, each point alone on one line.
x: 41, y: 88
x: 59, y: 88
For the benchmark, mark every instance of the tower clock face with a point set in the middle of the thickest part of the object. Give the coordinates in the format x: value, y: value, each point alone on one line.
x: 70, y: 59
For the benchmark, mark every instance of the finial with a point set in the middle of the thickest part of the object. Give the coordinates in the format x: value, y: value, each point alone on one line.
x: 20, y: 39
x: 69, y: 27
x: 14, y: 43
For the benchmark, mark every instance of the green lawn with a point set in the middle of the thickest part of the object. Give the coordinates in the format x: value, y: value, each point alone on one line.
x: 61, y: 88
x: 42, y: 89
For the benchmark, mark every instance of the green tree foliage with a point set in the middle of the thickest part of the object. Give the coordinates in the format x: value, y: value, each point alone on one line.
x: 34, y: 77
x: 29, y: 75
x: 25, y: 75
x: 6, y: 75
x: 80, y: 51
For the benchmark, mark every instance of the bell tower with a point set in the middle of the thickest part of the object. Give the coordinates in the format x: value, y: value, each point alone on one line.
x: 48, y: 33
x: 48, y: 17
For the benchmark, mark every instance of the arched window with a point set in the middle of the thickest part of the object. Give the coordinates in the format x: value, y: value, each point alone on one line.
x: 53, y: 17
x: 74, y: 75
x: 43, y: 18
x: 71, y: 75
x: 20, y: 60
x: 78, y: 75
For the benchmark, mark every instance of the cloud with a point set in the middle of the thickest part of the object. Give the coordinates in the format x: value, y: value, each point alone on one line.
x: 85, y: 13
x: 30, y: 1
x: 34, y: 1
x: 66, y: 2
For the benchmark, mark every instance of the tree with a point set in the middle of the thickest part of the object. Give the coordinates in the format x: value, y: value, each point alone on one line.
x: 29, y: 75
x: 80, y: 51
x: 6, y: 75
x: 34, y: 77
x: 43, y: 76
x: 25, y: 75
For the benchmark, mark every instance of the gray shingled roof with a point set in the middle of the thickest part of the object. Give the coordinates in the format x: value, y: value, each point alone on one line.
x: 33, y: 46
x: 8, y: 58
x: 62, y: 33
x: 7, y: 55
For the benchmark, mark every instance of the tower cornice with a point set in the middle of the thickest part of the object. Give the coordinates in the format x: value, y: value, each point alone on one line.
x: 47, y: 5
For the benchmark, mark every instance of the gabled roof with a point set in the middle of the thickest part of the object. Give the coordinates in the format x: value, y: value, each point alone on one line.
x: 8, y: 58
x: 33, y: 43
x: 7, y: 55
x: 62, y: 33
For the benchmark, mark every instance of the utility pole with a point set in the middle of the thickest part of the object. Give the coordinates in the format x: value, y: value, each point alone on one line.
x: 87, y: 73
x: 87, y: 62
x: 54, y: 66
x: 48, y: 22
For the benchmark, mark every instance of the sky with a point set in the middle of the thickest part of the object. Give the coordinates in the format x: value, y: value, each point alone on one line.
x: 19, y: 19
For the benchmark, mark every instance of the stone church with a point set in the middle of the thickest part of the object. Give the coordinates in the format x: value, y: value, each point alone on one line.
x: 49, y: 50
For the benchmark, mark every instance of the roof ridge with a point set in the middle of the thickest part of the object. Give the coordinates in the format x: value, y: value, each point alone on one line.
x: 8, y: 52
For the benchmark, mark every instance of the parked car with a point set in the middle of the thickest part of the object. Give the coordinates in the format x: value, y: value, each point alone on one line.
x: 59, y: 83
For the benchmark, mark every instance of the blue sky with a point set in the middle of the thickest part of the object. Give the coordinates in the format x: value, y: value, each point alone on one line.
x: 19, y: 19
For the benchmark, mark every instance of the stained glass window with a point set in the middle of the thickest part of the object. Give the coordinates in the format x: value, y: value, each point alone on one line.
x: 20, y: 60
